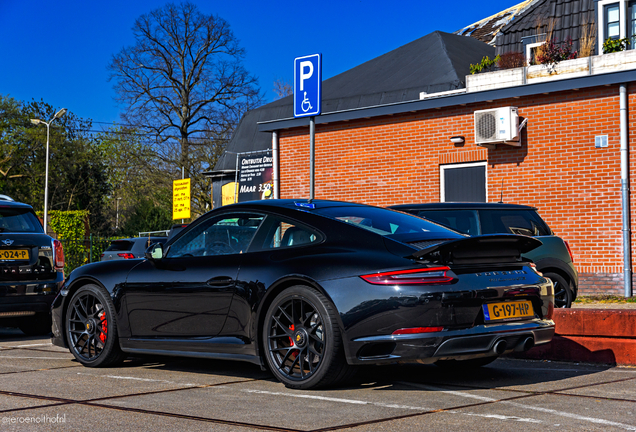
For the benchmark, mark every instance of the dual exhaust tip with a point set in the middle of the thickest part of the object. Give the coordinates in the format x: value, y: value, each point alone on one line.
x: 501, y: 346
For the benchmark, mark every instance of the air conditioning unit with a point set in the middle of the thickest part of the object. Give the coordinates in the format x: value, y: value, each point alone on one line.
x: 499, y: 125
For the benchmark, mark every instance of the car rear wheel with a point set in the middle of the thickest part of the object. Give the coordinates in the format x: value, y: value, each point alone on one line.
x: 562, y: 291
x: 36, y: 325
x: 91, y: 328
x: 302, y: 340
x: 466, y: 364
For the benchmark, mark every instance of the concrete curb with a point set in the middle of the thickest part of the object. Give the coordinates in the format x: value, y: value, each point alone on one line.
x: 592, y: 336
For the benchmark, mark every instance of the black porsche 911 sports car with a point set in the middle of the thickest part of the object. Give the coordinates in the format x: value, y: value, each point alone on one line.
x: 309, y: 290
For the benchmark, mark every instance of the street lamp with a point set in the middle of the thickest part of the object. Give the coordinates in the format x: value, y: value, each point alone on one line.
x: 57, y: 115
x: 117, y: 224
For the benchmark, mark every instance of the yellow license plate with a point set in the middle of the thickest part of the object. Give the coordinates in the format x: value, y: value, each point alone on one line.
x: 14, y: 254
x: 508, y: 310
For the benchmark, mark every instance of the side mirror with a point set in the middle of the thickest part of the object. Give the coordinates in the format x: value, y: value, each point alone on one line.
x: 154, y: 252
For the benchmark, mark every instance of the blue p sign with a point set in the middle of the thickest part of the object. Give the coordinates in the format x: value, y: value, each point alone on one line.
x: 307, y: 85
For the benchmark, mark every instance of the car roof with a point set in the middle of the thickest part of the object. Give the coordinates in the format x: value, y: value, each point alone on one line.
x: 462, y: 206
x: 296, y: 204
x: 14, y: 204
x: 138, y: 238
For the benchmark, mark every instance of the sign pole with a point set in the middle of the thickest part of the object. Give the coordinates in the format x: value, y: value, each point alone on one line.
x: 312, y: 156
x: 307, y: 103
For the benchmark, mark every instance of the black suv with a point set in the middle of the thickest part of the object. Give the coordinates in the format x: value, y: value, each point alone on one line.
x: 553, y: 259
x: 31, y: 268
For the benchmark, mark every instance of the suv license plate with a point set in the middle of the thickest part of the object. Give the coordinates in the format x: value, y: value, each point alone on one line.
x: 14, y: 254
x: 508, y: 310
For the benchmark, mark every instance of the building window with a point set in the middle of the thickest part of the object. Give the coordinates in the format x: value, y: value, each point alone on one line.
x: 612, y: 21
x: 616, y: 20
x: 531, y: 52
x: 631, y: 24
x: 530, y: 45
x: 463, y: 182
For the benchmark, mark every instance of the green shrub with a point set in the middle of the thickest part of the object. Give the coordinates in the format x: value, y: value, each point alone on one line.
x: 615, y: 45
x: 486, y: 65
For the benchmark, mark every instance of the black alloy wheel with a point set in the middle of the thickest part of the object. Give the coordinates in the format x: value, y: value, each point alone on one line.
x: 302, y: 340
x: 562, y: 291
x: 91, y: 329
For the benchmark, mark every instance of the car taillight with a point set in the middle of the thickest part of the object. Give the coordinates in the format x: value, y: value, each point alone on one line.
x: 416, y: 330
x: 126, y: 255
x: 58, y: 256
x: 433, y: 275
x: 569, y: 250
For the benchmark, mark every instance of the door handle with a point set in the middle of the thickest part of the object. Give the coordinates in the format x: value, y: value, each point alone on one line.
x: 221, y: 281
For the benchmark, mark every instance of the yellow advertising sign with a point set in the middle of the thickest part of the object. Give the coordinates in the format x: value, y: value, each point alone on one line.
x: 181, y: 199
x: 228, y: 192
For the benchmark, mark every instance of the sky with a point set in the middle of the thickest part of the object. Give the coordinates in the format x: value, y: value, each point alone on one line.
x: 58, y: 51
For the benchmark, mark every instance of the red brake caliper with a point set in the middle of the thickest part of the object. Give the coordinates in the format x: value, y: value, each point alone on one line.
x: 291, y: 343
x: 102, y: 335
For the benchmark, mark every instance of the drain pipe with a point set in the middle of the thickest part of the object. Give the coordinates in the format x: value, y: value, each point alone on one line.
x: 275, y: 173
x: 627, y: 242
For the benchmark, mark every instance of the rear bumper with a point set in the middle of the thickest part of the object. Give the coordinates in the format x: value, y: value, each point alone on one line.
x: 478, y: 341
x: 36, y: 296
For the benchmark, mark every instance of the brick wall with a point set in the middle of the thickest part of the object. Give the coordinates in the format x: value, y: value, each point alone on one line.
x: 396, y: 159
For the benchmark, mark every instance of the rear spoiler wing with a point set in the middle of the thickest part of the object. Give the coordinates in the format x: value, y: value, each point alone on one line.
x: 485, y: 249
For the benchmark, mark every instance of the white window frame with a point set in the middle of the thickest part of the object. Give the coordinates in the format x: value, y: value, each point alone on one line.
x: 600, y: 21
x: 442, y: 168
x: 529, y: 48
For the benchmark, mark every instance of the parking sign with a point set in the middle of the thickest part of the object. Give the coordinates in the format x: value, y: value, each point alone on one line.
x: 307, y: 85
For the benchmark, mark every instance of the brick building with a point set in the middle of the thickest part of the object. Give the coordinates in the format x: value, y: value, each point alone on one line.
x: 399, y: 158
x: 567, y: 161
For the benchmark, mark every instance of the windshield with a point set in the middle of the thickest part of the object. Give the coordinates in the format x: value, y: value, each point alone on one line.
x: 19, y: 220
x: 388, y: 223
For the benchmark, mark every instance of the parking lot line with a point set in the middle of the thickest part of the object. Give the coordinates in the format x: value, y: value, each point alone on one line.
x: 341, y: 400
x: 524, y: 406
x: 32, y: 345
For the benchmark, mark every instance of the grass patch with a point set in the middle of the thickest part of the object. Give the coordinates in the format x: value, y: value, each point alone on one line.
x: 604, y: 299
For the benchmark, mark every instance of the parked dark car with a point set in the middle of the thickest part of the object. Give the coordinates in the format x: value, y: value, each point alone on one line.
x: 553, y: 258
x: 31, y: 269
x: 310, y: 289
x: 130, y: 248
x: 176, y: 229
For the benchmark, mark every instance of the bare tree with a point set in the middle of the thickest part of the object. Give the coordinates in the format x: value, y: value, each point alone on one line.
x: 183, y: 81
x: 283, y: 88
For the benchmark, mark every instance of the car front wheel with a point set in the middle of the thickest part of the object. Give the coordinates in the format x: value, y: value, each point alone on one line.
x: 91, y: 328
x: 302, y: 340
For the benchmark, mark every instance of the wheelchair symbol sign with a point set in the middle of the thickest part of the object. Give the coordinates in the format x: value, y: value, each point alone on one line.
x: 307, y: 85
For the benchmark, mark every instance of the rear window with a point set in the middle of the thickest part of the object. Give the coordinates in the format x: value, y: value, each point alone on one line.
x: 143, y: 243
x: 120, y: 245
x: 523, y: 222
x: 395, y: 225
x: 19, y: 220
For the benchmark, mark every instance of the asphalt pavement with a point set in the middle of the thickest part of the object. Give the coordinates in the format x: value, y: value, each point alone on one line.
x: 43, y: 388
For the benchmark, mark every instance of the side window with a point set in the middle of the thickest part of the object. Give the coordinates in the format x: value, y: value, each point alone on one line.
x: 464, y: 221
x: 284, y: 234
x: 522, y: 222
x: 222, y: 235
